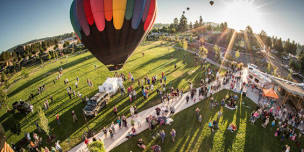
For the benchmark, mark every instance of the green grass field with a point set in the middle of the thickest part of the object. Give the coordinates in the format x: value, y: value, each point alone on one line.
x: 198, y: 137
x: 158, y: 58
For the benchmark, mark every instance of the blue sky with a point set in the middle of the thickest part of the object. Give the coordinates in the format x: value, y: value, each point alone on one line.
x: 25, y: 20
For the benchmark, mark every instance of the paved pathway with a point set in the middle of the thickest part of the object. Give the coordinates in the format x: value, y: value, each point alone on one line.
x: 180, y: 104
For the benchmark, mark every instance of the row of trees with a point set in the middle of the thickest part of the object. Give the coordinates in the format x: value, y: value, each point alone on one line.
x: 180, y: 25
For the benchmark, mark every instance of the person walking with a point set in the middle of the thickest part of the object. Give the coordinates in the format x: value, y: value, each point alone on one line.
x: 173, y: 134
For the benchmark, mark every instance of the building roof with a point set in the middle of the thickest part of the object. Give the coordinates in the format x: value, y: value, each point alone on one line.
x: 297, y: 90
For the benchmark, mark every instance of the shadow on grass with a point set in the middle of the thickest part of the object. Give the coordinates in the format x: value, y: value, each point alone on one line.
x: 42, y: 76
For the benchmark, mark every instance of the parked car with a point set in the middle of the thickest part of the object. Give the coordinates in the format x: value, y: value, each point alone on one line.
x: 96, y: 103
x: 22, y: 107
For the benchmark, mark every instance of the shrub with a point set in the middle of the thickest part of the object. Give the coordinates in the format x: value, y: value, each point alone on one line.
x: 96, y: 146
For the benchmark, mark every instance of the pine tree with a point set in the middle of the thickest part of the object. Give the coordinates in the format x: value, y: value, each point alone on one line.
x: 190, y: 25
x: 196, y: 24
x: 200, y: 21
x: 183, y: 26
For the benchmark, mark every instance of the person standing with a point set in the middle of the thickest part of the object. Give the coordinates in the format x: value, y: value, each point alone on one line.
x: 113, y: 127
x: 115, y: 110
x: 58, y: 147
x: 111, y: 133
x: 58, y: 120
x: 76, y: 84
x: 197, y: 112
x: 105, y: 131
x: 187, y: 98
x: 74, y: 116
x: 132, y: 111
x: 124, y: 121
x: 119, y: 121
x: 162, y: 135
x: 173, y: 134
x: 46, y: 105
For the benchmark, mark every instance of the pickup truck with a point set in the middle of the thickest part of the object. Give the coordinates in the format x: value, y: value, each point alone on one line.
x: 96, y: 103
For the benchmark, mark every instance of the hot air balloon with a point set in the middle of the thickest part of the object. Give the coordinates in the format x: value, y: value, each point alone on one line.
x: 188, y: 8
x: 211, y: 2
x: 112, y: 29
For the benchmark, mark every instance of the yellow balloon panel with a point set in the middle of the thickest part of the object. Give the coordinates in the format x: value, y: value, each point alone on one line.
x: 119, y: 9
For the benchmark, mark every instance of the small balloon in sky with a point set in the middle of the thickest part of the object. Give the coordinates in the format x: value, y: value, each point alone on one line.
x: 211, y: 2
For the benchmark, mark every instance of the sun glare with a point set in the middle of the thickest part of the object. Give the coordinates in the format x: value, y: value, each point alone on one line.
x: 240, y: 13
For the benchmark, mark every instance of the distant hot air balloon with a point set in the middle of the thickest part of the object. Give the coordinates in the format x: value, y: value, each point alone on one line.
x: 112, y: 29
x: 188, y: 8
x: 211, y: 2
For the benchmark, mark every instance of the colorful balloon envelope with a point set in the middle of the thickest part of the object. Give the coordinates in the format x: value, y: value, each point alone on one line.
x: 112, y: 29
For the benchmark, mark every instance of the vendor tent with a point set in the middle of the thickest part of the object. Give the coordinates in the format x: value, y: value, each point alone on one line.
x: 111, y: 85
x: 270, y: 93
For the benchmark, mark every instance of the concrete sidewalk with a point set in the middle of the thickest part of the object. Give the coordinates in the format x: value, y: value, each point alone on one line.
x: 179, y: 105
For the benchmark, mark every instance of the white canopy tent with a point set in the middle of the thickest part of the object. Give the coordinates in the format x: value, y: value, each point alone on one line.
x: 111, y: 85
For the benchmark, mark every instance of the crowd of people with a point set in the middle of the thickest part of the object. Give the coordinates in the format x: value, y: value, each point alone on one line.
x: 288, y: 125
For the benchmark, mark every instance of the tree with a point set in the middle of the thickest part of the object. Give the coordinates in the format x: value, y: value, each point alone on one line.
x: 56, y: 47
x: 190, y: 25
x: 196, y: 24
x: 183, y: 25
x: 96, y: 146
x: 2, y: 137
x: 295, y: 65
x: 43, y: 121
x: 301, y: 60
x: 200, y: 21
x: 3, y: 77
x: 203, y: 52
x: 279, y: 45
x: 268, y: 68
x: 217, y: 52
x: 25, y: 74
x: 49, y: 56
x: 237, y: 54
x: 289, y: 77
x: 249, y: 29
x: 275, y: 71
x: 41, y: 60
x: 66, y: 43
x: 3, y: 98
x: 185, y: 45
x: 175, y: 23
